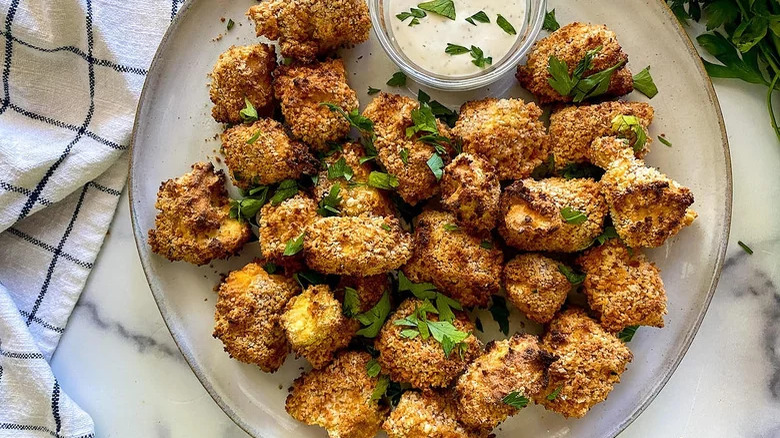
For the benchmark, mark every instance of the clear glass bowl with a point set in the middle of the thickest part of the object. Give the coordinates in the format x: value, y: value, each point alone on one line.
x: 381, y: 17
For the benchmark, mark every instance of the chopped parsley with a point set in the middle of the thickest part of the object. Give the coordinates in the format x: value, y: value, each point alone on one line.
x: 500, y: 313
x: 270, y: 268
x: 572, y: 216
x: 444, y: 332
x: 480, y: 16
x: 550, y: 23
x: 486, y: 244
x: 287, y: 189
x: 608, y: 233
x: 643, y: 83
x: 575, y: 278
x: 294, y: 245
x: 441, y: 112
x: 516, y: 399
x: 404, y: 155
x: 373, y: 319
x: 373, y: 369
x: 628, y: 127
x: 477, y: 55
x: 546, y: 169
x: 340, y: 169
x: 398, y: 79
x: 745, y: 247
x: 372, y: 91
x: 230, y: 24
x: 380, y: 388
x: 254, y: 137
x: 665, y: 141
x: 553, y: 395
x: 436, y: 164
x: 575, y: 85
x: 454, y: 49
x: 451, y: 227
x: 385, y: 227
x: 351, y: 305
x: 414, y: 13
x: 381, y: 180
x: 427, y: 291
x: 354, y: 118
x: 249, y: 113
x: 627, y: 334
x: 329, y: 205
x: 505, y: 25
x: 445, y: 8
x: 247, y: 208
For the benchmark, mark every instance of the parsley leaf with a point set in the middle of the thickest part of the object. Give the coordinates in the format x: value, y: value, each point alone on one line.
x: 441, y: 112
x: 247, y: 208
x: 500, y: 313
x: 254, y: 137
x: 516, y: 399
x: 373, y: 369
x: 595, y: 84
x: 486, y: 244
x: 454, y: 49
x: 480, y: 16
x: 553, y: 395
x: 340, y: 169
x: 665, y: 141
x: 230, y: 24
x: 629, y: 128
x: 447, y: 335
x: 572, y: 216
x: 287, y: 189
x: 451, y: 228
x: 444, y: 8
x: 381, y: 180
x: 329, y: 204
x: 504, y: 24
x: 436, y: 164
x: 309, y: 278
x: 550, y: 23
x: 575, y: 85
x: 608, y: 233
x: 424, y: 121
x: 546, y: 169
x: 351, y: 305
x: 374, y: 318
x: 582, y: 170
x: 294, y: 245
x: 745, y: 247
x: 398, y: 79
x: 627, y: 334
x: 643, y: 83
x: 404, y: 155
x: 372, y: 91
x: 249, y: 113
x: 413, y: 13
x: 380, y: 388
x: 363, y: 124
x: 479, y: 57
x: 574, y: 278
x: 559, y: 76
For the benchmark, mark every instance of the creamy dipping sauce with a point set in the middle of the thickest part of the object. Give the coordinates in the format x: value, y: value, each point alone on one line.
x: 425, y: 43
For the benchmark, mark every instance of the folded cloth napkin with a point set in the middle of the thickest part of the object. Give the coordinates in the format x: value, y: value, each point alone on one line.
x: 72, y: 72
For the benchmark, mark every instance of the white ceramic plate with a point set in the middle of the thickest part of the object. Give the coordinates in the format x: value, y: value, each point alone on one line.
x: 174, y: 129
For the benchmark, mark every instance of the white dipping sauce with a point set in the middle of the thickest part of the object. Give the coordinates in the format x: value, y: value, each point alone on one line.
x: 424, y: 43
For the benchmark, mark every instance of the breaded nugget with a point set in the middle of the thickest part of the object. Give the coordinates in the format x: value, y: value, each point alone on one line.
x: 532, y: 214
x: 242, y: 72
x: 517, y: 364
x: 358, y: 246
x: 590, y: 362
x: 536, y: 286
x: 422, y: 362
x: 646, y: 206
x: 573, y: 128
x: 262, y: 153
x: 569, y: 44
x: 471, y: 190
x: 307, y: 29
x: 194, y: 221
x: 247, y: 318
x: 338, y: 398
x: 278, y: 224
x: 464, y: 267
x: 301, y: 90
x: 623, y: 287
x: 506, y: 132
x: 420, y: 415
x: 369, y: 289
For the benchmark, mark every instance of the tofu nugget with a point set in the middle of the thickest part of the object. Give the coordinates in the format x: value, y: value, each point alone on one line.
x: 247, y: 319
x: 301, y: 90
x: 420, y: 415
x: 471, y: 190
x: 358, y: 246
x: 464, y: 267
x: 194, y: 221
x: 554, y: 214
x: 261, y: 154
x: 338, y: 398
x: 536, y: 286
x: 278, y: 224
x: 590, y: 362
x: 242, y: 73
x: 307, y: 29
x: 422, y: 362
x: 569, y: 44
x: 517, y: 365
x: 506, y: 132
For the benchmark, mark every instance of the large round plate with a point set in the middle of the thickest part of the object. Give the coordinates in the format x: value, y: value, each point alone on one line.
x: 174, y: 129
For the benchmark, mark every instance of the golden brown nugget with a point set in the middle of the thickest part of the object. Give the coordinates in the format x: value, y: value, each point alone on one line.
x: 506, y: 132
x: 573, y: 128
x: 338, y: 398
x: 471, y: 191
x: 358, y: 246
x: 307, y: 29
x: 590, y: 362
x: 420, y: 415
x: 262, y: 154
x: 515, y: 365
x: 422, y: 362
x: 369, y: 289
x: 247, y: 318
x: 278, y: 224
x: 536, y: 286
x: 646, y: 206
x: 242, y: 73
x: 301, y: 90
x: 464, y: 267
x: 623, y: 287
x: 570, y: 44
x: 532, y: 214
x: 194, y: 222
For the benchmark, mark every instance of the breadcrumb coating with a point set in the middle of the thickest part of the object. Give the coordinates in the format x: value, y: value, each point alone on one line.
x: 506, y: 132
x: 536, y: 286
x: 301, y: 90
x: 247, y: 317
x: 194, y: 222
x: 532, y: 219
x: 420, y: 415
x: 358, y: 246
x: 590, y: 362
x: 369, y: 289
x: 464, y: 267
x: 307, y: 29
x: 278, y: 224
x: 338, y: 398
x: 517, y: 364
x: 242, y: 72
x: 569, y: 44
x: 471, y: 191
x: 270, y: 158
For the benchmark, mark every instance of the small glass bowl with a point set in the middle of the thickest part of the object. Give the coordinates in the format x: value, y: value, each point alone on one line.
x: 381, y: 17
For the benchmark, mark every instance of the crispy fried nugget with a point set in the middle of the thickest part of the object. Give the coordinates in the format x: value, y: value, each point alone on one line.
x: 623, y: 287
x: 517, y: 364
x: 369, y: 289
x: 590, y: 362
x: 420, y: 415
x: 569, y: 44
x: 358, y: 246
x: 307, y: 29
x: 536, y: 286
x: 646, y: 206
x: 573, y: 128
x: 262, y: 153
x: 242, y: 72
x: 464, y: 267
x: 471, y: 190
x: 422, y: 362
x: 338, y: 398
x: 278, y: 224
x: 247, y: 318
x: 506, y: 132
x: 301, y: 90
x: 532, y: 214
x: 194, y: 221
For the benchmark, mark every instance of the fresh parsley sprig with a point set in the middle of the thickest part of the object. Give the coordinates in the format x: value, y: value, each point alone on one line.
x: 550, y: 23
x: 628, y: 127
x: 575, y: 85
x: 573, y: 216
x: 364, y: 125
x: 480, y: 16
x: 516, y: 399
x: 445, y: 8
x: 329, y: 205
x: 478, y: 55
x: 414, y: 13
x: 373, y: 319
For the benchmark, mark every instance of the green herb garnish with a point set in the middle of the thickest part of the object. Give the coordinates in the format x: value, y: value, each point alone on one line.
x: 436, y: 164
x: 414, y: 13
x: 631, y: 129
x: 546, y: 169
x: 353, y: 117
x: 380, y: 388
x: 504, y: 24
x: 441, y: 112
x: 340, y: 169
x: 374, y: 319
x: 454, y: 49
x: 230, y: 24
x: 627, y: 334
x: 553, y: 395
x: 477, y: 54
x: 329, y: 205
x: 500, y: 313
x: 286, y: 190
x: 254, y: 137
x: 480, y: 16
x: 381, y: 180
x: 398, y: 79
x: 373, y: 368
x: 516, y: 399
x: 572, y: 216
x: 249, y: 113
x: 608, y: 233
x: 451, y: 228
x: 643, y: 83
x: 294, y: 245
x: 404, y: 155
x: 745, y: 247
x: 550, y: 23
x: 445, y: 8
x: 575, y: 85
x: 372, y: 91
x: 665, y: 142
x: 351, y: 305
x: 574, y: 278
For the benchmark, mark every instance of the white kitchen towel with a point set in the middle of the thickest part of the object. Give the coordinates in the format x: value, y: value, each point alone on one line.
x: 72, y: 72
